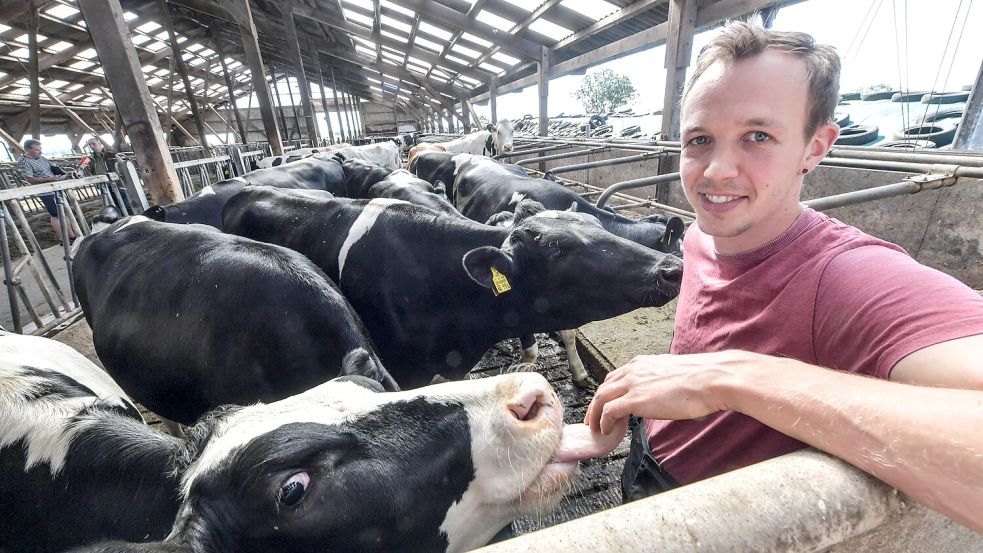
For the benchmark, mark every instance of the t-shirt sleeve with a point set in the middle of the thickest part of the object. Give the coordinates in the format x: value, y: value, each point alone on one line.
x: 875, y: 305
x: 25, y: 168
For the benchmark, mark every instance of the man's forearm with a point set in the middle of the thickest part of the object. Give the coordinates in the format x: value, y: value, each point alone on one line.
x: 41, y: 180
x: 927, y: 442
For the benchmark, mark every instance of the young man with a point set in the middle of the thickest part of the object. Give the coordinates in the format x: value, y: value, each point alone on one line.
x: 36, y: 169
x: 775, y: 295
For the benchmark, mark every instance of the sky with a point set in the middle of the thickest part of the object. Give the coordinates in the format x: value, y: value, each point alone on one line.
x: 911, y: 44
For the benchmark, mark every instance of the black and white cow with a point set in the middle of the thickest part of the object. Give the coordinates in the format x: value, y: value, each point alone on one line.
x: 205, y: 206
x: 436, y: 293
x: 367, y: 181
x: 186, y: 318
x: 493, y: 140
x: 340, y: 467
x: 484, y: 187
x: 77, y: 462
x: 387, y: 154
x: 295, y: 155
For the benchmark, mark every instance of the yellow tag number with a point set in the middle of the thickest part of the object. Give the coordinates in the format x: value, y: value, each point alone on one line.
x: 500, y: 282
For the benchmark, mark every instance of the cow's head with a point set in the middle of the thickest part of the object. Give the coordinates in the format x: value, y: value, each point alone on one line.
x: 342, y: 467
x: 502, y: 136
x: 564, y: 264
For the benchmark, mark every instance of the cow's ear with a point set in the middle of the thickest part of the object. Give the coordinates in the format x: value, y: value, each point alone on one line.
x: 573, y: 207
x: 440, y: 188
x: 339, y: 157
x: 360, y: 367
x: 674, y: 231
x: 490, y: 127
x: 526, y: 209
x: 155, y: 212
x: 657, y: 218
x: 487, y: 266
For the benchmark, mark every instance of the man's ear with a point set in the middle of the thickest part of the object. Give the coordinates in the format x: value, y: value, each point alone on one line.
x: 479, y: 263
x: 819, y: 145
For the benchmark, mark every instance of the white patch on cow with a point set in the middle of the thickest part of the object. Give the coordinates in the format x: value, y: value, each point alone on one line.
x: 503, y: 135
x: 402, y: 177
x: 362, y: 225
x: 516, y: 198
x: 574, y: 216
x: 207, y: 191
x: 44, y: 423
x: 385, y: 154
x: 133, y: 220
x: 473, y: 143
x: 461, y: 159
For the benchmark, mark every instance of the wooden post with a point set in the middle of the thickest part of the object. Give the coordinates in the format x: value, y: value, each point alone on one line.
x: 254, y: 59
x: 492, y: 99
x: 324, y: 100
x: 348, y: 114
x: 111, y: 38
x: 305, y: 88
x: 278, y: 101
x: 182, y: 71
x: 337, y: 106
x: 544, y: 90
x: 228, y: 84
x: 679, y: 48
x: 32, y: 70
x: 293, y: 104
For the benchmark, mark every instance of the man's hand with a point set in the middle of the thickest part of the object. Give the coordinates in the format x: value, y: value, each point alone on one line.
x: 668, y: 387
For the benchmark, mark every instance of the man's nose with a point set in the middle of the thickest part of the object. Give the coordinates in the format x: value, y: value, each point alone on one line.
x: 722, y: 165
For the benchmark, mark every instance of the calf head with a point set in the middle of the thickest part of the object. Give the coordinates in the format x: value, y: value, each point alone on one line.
x: 563, y: 268
x: 344, y: 468
x: 503, y: 135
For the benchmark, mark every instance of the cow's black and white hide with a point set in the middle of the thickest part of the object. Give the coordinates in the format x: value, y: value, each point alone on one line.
x: 344, y: 468
x: 205, y: 206
x: 436, y: 293
x: 186, y: 318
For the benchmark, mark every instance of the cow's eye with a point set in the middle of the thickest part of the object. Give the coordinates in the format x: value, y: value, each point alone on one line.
x: 293, y: 488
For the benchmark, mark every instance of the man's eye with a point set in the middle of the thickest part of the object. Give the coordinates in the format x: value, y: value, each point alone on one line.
x: 758, y: 136
x: 699, y: 140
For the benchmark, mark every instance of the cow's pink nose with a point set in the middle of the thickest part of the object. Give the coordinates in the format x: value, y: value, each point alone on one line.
x: 530, y: 397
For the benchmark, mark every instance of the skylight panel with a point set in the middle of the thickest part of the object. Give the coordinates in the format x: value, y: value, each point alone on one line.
x: 149, y: 68
x: 428, y: 44
x: 476, y: 39
x: 155, y: 81
x: 139, y: 39
x: 393, y: 36
x: 465, y: 51
x: 489, y: 67
x: 207, y: 52
x: 505, y: 58
x: 364, y: 50
x: 364, y: 42
x: 438, y: 78
x: 59, y: 46
x: 396, y: 24
x: 155, y: 46
x: 3, y: 28
x: 57, y: 83
x: 495, y: 20
x: 435, y: 31
x: 594, y: 9
x: 88, y: 53
x: 130, y: 16
x: 469, y: 80
x: 373, y: 80
x: 549, y: 29
x: 81, y: 65
x: 391, y: 62
x: 197, y: 61
x: 396, y: 7
x: 21, y: 53
x: 416, y: 69
x: 367, y: 4
x: 456, y: 59
x: 357, y: 18
x: 194, y: 47
x: 391, y: 56
x: 72, y: 87
x: 61, y: 11
x: 21, y: 92
x: 24, y: 38
x: 418, y: 61
x: 107, y: 102
x: 148, y: 27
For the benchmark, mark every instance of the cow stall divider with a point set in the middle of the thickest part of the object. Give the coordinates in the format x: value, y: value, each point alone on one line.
x: 53, y: 307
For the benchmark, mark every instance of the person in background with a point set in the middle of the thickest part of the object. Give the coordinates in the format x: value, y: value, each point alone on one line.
x: 786, y: 317
x: 36, y: 169
x: 103, y: 161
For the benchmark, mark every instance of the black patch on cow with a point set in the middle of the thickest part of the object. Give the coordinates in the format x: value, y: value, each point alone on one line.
x: 54, y: 385
x: 119, y: 481
x: 277, y: 161
x: 490, y: 145
x: 156, y: 213
x: 381, y: 482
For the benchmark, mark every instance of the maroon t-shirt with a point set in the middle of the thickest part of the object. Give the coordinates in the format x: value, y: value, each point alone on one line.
x: 824, y: 293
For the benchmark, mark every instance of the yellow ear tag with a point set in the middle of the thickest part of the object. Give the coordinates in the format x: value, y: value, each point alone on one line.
x: 500, y: 282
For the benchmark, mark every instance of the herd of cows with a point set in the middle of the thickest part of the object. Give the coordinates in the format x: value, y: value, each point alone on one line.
x: 293, y: 320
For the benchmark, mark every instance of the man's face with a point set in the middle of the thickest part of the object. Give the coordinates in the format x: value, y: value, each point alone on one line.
x: 744, y: 148
x: 96, y: 146
x: 34, y: 151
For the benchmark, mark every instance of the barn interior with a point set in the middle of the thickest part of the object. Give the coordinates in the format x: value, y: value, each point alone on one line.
x: 167, y: 79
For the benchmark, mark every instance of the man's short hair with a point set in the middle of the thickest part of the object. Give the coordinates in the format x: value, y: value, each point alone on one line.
x: 30, y: 143
x: 740, y: 40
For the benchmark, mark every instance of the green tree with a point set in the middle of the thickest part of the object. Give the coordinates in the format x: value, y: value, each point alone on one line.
x: 604, y: 91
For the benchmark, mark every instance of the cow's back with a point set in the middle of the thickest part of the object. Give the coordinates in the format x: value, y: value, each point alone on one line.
x: 186, y: 319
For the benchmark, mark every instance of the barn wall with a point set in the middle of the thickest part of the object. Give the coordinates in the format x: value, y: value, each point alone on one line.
x: 379, y: 119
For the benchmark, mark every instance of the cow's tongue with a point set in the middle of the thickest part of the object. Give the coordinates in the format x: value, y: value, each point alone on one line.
x: 578, y: 442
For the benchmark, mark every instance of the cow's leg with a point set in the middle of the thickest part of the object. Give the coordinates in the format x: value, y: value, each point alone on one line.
x: 575, y: 363
x: 530, y: 349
